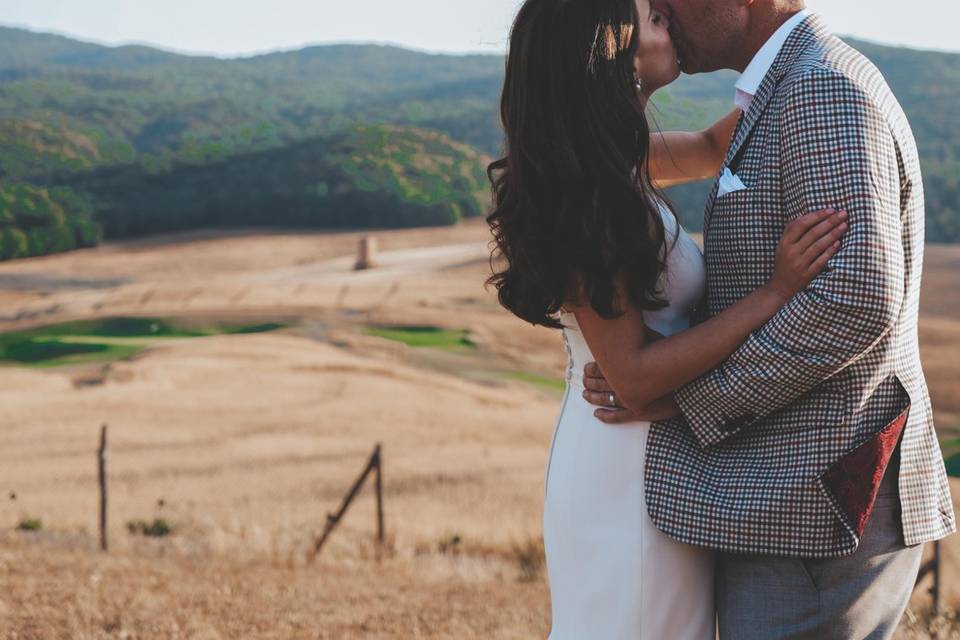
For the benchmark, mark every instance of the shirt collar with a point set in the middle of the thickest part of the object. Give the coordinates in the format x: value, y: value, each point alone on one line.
x: 756, y: 71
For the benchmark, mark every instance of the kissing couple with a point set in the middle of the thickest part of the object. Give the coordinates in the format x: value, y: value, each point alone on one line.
x: 746, y: 444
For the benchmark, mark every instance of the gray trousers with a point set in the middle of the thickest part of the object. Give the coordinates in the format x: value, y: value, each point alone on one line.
x: 859, y: 597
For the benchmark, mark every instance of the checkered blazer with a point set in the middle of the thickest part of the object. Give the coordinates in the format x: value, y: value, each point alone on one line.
x: 745, y: 469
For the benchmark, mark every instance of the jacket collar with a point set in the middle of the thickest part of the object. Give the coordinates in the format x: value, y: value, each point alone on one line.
x: 753, y: 75
x: 809, y: 31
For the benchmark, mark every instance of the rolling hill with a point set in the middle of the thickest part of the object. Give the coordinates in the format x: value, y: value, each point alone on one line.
x: 131, y: 135
x: 360, y: 177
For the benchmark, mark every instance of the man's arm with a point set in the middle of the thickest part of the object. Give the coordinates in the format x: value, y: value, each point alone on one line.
x: 837, y: 151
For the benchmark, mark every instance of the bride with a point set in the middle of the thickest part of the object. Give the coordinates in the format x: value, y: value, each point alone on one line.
x: 585, y: 244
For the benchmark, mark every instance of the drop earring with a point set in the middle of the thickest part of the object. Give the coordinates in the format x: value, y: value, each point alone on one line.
x: 639, y: 82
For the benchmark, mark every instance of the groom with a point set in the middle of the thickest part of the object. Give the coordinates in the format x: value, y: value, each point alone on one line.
x: 808, y: 459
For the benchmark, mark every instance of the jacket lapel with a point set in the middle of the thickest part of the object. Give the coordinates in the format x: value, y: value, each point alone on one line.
x: 750, y: 119
x: 806, y: 33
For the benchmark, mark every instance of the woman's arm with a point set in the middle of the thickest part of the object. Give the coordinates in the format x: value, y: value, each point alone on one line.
x: 678, y: 157
x: 641, y: 371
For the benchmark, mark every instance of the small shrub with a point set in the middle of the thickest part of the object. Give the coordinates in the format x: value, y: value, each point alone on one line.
x: 30, y: 524
x: 530, y: 558
x: 159, y: 528
x: 450, y: 545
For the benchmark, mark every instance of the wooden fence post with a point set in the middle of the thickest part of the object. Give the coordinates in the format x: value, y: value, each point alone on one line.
x: 379, y: 485
x: 102, y: 456
x: 935, y: 589
x: 333, y: 519
x: 933, y: 567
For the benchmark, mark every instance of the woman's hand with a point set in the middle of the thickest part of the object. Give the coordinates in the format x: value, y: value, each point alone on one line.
x: 807, y: 245
x: 640, y: 374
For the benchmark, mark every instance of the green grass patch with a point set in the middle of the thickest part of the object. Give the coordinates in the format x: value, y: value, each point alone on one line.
x: 951, y: 456
x: 420, y: 337
x: 544, y: 382
x: 52, y: 352
x: 953, y: 466
x: 254, y: 328
x: 108, y: 339
x: 951, y: 445
x: 106, y: 328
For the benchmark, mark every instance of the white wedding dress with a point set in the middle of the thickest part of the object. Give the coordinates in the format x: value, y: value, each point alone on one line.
x: 613, y: 575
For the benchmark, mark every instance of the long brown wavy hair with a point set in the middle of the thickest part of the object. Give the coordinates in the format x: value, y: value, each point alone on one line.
x: 574, y: 211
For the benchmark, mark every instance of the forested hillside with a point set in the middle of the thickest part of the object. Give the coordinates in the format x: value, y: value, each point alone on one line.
x: 130, y: 140
x: 364, y: 176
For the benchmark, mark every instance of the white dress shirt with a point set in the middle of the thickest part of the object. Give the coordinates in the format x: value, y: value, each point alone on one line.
x: 756, y: 71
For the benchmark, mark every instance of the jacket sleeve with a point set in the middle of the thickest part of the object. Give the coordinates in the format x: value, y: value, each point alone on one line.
x: 837, y: 150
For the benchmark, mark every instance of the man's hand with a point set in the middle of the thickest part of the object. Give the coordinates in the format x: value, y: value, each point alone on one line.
x: 598, y: 392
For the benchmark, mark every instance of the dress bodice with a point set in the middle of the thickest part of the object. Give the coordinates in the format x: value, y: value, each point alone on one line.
x: 682, y: 284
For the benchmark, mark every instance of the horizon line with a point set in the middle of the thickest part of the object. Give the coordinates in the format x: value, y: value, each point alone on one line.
x: 332, y: 43
x: 247, y: 54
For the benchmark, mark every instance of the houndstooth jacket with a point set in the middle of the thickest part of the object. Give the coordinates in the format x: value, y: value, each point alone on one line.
x: 780, y: 450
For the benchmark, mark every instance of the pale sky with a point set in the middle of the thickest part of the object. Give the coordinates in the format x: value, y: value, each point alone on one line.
x: 239, y: 27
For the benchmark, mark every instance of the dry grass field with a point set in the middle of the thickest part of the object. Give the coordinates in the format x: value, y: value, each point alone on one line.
x: 242, y: 443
